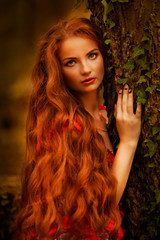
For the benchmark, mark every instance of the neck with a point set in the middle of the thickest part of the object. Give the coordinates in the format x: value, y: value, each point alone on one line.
x: 90, y: 102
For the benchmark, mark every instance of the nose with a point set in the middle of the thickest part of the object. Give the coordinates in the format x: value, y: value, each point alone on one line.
x: 85, y: 68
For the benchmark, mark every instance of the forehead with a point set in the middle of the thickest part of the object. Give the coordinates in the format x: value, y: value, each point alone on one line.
x: 76, y: 45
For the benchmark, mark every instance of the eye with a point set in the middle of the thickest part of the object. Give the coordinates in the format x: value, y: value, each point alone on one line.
x: 93, y: 55
x: 70, y: 63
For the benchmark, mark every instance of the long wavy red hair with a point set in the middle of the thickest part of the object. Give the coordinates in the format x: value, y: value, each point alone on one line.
x: 65, y: 172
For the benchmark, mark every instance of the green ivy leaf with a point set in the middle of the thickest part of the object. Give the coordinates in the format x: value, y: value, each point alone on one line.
x: 141, y: 93
x: 150, y: 89
x: 107, y: 41
x: 142, y: 60
x: 105, y: 4
x: 155, y: 130
x: 141, y: 100
x: 129, y: 65
x: 145, y: 38
x: 149, y: 74
x: 137, y: 51
x: 109, y: 69
x: 145, y: 67
x: 147, y: 140
x: 158, y: 138
x: 146, y: 155
x: 142, y: 63
x: 147, y: 46
x: 157, y: 192
x: 110, y: 8
x: 142, y: 79
x: 141, y: 96
x: 4, y: 202
x: 152, y: 147
x: 123, y: 81
x: 105, y: 34
x: 114, y: 53
x: 151, y: 165
x: 111, y: 24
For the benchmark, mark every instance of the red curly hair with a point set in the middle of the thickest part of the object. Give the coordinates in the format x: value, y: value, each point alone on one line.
x: 65, y: 172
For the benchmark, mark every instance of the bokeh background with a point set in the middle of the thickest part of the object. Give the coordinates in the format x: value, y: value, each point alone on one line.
x: 22, y: 24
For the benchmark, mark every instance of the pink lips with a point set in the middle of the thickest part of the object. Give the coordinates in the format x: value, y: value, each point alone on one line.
x: 88, y: 80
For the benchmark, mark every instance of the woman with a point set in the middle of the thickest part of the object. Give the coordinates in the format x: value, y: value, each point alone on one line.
x: 71, y: 185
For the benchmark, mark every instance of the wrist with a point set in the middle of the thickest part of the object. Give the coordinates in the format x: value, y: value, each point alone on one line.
x: 129, y: 144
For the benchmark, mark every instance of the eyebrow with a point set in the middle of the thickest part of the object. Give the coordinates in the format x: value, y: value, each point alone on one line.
x: 71, y: 58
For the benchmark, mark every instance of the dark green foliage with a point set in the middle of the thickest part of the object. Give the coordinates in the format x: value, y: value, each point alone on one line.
x: 8, y: 209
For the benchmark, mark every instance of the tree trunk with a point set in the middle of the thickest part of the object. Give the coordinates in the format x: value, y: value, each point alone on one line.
x: 131, y: 31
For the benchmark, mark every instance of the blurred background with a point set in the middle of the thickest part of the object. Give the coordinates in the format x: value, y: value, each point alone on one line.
x: 23, y: 23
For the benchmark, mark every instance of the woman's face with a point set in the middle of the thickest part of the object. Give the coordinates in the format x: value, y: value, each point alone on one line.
x: 82, y: 64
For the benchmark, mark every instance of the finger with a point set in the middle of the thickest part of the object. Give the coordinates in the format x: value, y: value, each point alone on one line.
x: 130, y: 101
x: 138, y: 110
x: 125, y: 98
x: 119, y: 102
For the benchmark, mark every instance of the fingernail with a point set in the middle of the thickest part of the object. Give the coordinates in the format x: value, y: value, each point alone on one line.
x: 130, y: 90
x: 125, y: 87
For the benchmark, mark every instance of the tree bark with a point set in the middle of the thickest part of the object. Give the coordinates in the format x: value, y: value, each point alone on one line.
x: 131, y: 31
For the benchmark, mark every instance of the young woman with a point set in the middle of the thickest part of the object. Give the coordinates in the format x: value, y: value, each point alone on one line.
x: 71, y: 184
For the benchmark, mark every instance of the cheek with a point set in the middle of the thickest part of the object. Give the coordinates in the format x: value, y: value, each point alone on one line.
x: 69, y: 78
x: 70, y: 73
